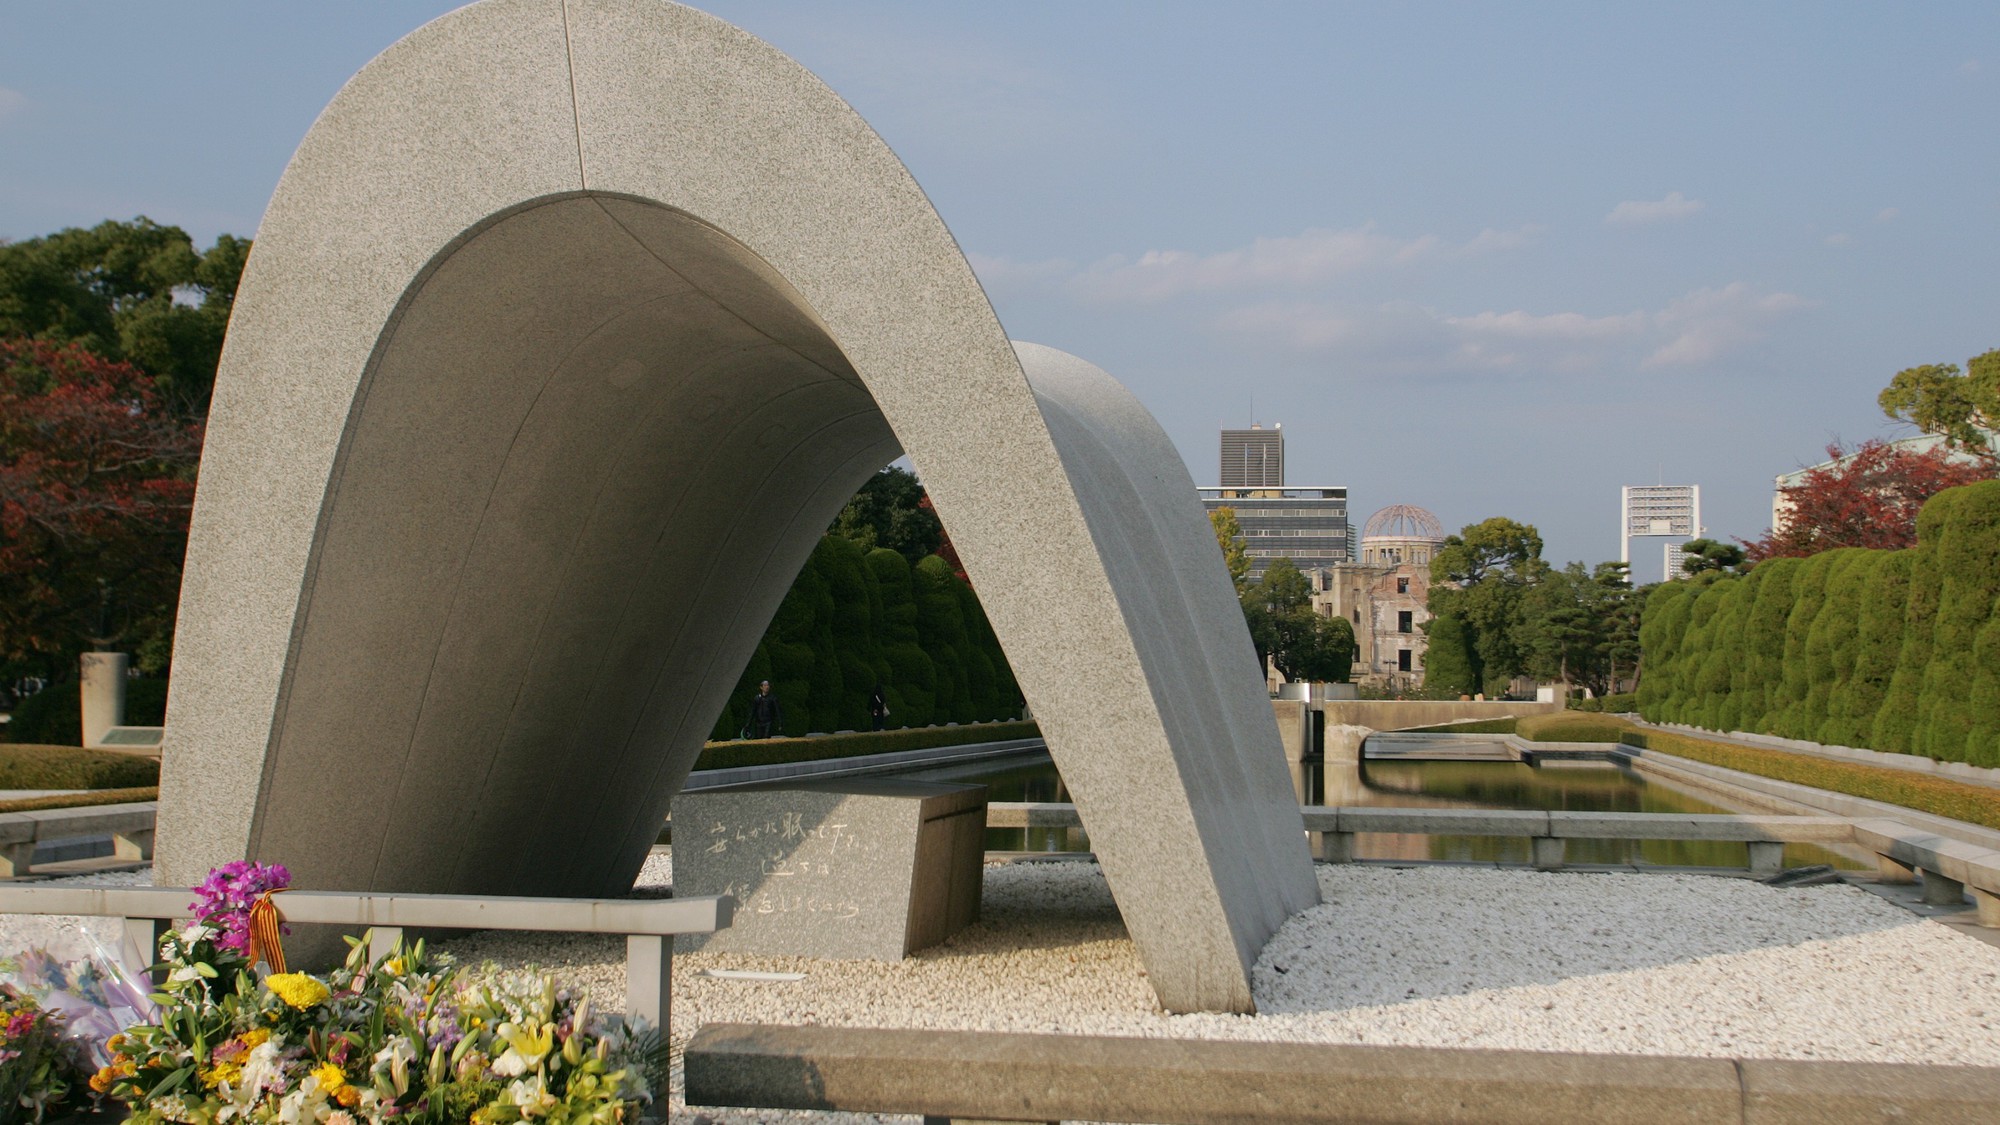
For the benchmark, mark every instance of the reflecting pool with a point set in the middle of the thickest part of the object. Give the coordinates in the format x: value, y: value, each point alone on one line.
x: 1581, y: 786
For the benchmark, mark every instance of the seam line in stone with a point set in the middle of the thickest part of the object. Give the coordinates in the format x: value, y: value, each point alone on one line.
x: 575, y: 110
x: 1742, y: 1090
x: 647, y: 249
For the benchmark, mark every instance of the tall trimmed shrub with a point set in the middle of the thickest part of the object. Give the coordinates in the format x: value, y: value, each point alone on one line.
x: 1662, y: 624
x: 1894, y: 650
x: 1965, y: 537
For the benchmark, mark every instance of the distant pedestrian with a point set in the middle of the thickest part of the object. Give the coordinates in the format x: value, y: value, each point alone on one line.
x: 878, y: 706
x: 766, y: 717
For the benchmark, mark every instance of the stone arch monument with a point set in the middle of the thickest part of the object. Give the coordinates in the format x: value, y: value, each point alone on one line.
x: 569, y: 328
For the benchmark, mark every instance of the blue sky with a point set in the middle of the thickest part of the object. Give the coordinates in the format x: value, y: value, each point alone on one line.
x: 1488, y: 259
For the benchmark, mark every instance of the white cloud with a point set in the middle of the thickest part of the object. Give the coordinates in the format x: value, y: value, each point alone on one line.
x: 1308, y: 258
x: 11, y: 102
x: 1633, y: 212
x: 999, y: 271
x: 1695, y: 329
x: 1887, y: 214
x: 1710, y: 322
x: 1839, y: 238
x: 1969, y: 66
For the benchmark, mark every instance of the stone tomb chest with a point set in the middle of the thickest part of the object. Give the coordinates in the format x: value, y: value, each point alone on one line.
x: 859, y: 868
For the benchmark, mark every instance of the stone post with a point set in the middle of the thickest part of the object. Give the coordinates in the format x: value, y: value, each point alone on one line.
x: 101, y: 683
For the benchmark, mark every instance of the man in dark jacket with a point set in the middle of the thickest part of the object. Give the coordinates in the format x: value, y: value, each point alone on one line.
x: 766, y: 718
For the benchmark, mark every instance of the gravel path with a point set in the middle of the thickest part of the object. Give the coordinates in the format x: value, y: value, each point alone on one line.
x: 1427, y: 956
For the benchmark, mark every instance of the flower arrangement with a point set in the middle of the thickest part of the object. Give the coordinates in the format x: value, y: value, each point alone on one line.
x: 408, y: 1038
x: 42, y: 1068
x: 224, y: 899
x: 91, y: 994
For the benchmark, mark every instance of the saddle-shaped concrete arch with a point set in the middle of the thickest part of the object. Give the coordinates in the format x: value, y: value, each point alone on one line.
x: 568, y: 329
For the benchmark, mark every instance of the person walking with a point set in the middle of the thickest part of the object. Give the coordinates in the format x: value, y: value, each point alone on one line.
x: 878, y: 706
x: 766, y: 717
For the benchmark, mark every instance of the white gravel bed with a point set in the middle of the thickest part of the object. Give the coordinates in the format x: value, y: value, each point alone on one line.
x: 65, y: 935
x: 1426, y: 956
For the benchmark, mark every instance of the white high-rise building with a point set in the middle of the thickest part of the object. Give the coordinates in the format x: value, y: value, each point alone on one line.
x: 1657, y: 510
x: 1675, y: 557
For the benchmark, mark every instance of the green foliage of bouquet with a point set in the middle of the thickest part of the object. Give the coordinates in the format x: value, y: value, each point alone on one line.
x: 42, y: 1070
x: 408, y: 1038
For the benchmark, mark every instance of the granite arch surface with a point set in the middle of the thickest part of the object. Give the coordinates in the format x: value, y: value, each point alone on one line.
x: 568, y: 329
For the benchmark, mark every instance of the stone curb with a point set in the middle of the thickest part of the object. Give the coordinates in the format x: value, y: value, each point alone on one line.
x: 1909, y: 763
x: 1016, y: 1077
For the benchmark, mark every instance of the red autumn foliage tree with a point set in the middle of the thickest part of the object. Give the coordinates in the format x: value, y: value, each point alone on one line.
x: 96, y: 483
x: 1869, y: 498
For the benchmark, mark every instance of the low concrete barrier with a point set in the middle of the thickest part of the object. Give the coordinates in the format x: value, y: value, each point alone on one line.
x: 648, y: 924
x: 130, y: 827
x: 993, y: 1076
x: 1950, y: 868
x: 1400, y: 714
x: 1547, y: 832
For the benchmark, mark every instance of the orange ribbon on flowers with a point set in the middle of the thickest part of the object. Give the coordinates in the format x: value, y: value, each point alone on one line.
x: 265, y: 945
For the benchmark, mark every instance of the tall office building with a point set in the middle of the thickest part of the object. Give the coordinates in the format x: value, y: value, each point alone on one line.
x: 1305, y: 525
x: 1253, y: 458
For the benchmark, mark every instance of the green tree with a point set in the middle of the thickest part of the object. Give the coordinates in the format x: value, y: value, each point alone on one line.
x: 1579, y: 627
x: 136, y: 292
x: 1702, y: 555
x: 1939, y: 398
x: 1300, y: 643
x: 1229, y: 537
x: 891, y: 511
x: 1481, y: 577
x: 1449, y: 663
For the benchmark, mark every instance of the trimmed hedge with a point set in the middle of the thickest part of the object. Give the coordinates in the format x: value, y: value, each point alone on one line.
x: 81, y: 800
x: 1939, y: 796
x: 773, y: 751
x: 72, y: 767
x: 1607, y: 704
x: 1897, y: 651
x: 855, y: 618
x: 1570, y: 727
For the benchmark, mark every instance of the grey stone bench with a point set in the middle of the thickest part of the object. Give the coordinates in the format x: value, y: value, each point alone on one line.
x: 1549, y: 832
x: 130, y: 827
x: 648, y: 924
x: 992, y: 1076
x: 1950, y: 867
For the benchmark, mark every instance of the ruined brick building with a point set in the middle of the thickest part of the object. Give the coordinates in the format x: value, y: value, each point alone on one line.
x: 1385, y: 595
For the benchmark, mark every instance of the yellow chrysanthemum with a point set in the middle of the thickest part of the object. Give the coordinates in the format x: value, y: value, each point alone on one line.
x: 255, y: 1037
x: 220, y: 1073
x: 121, y: 1066
x: 298, y: 989
x: 331, y: 1079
